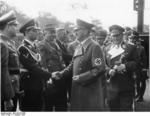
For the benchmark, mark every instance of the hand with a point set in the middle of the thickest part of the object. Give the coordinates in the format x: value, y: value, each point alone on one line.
x: 112, y: 72
x: 50, y: 81
x: 8, y: 105
x: 56, y: 75
x: 75, y: 78
x: 144, y: 69
x: 120, y: 68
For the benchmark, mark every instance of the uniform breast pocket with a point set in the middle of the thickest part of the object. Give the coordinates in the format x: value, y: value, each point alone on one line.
x: 86, y: 62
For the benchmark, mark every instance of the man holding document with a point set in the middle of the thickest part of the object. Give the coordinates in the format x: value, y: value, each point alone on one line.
x: 121, y: 60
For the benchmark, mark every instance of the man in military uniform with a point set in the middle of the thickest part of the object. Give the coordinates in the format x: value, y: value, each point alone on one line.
x: 121, y: 59
x: 141, y: 72
x: 101, y: 36
x: 72, y: 45
x: 87, y: 66
x: 61, y: 40
x: 33, y: 75
x: 9, y: 64
x: 56, y: 91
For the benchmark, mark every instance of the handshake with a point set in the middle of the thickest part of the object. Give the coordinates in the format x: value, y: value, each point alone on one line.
x: 56, y: 75
x: 118, y: 68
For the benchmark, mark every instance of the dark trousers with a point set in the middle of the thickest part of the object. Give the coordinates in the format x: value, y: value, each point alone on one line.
x: 123, y: 101
x: 141, y: 86
x: 2, y: 106
x: 32, y: 101
x: 15, y: 99
x: 55, y: 102
x: 141, y: 83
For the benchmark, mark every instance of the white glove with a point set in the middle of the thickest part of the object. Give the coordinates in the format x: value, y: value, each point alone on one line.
x: 112, y: 72
x: 75, y: 78
x: 121, y: 67
x: 56, y: 75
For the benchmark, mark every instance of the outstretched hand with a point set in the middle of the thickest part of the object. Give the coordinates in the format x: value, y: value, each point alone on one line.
x: 56, y: 75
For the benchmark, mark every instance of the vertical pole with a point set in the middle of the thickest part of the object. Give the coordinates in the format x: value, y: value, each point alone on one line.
x: 140, y: 16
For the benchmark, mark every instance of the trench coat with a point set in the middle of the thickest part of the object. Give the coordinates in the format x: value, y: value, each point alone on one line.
x: 88, y: 63
x: 7, y: 92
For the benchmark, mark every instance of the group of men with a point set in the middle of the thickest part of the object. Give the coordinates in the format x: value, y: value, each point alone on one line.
x: 47, y: 74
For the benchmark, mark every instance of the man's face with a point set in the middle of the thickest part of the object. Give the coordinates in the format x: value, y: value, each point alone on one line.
x: 39, y: 35
x: 61, y: 33
x: 116, y: 36
x: 81, y: 33
x: 50, y: 35
x: 12, y: 30
x: 32, y: 33
x: 100, y: 40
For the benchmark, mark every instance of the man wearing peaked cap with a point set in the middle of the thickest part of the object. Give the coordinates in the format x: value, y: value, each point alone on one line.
x: 116, y: 27
x: 121, y: 60
x: 34, y: 75
x: 50, y: 27
x: 87, y: 67
x: 10, y: 62
x: 31, y: 24
x: 8, y: 18
x: 84, y: 24
x: 51, y: 54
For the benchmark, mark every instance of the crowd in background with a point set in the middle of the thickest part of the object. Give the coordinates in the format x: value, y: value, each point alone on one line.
x: 29, y: 58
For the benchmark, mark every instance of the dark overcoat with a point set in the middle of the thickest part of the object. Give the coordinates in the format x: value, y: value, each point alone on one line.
x: 121, y: 81
x: 88, y: 63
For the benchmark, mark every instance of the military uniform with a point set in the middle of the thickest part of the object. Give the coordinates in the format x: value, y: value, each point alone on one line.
x: 7, y: 91
x: 33, y: 76
x: 11, y: 57
x: 120, y: 86
x: 141, y: 73
x: 14, y: 71
x: 55, y: 93
x: 52, y: 60
x: 72, y: 46
x: 67, y: 57
x: 89, y: 65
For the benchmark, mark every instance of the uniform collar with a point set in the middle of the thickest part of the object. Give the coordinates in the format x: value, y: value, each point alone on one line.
x: 4, y: 37
x: 86, y: 42
x: 7, y: 40
x: 29, y: 42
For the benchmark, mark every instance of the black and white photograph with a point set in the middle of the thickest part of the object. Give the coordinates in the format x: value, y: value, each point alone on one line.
x: 74, y: 56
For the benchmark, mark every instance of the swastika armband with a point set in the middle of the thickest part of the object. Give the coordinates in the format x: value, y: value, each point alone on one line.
x: 98, y: 61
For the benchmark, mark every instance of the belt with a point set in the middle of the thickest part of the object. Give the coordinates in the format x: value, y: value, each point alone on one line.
x: 13, y: 71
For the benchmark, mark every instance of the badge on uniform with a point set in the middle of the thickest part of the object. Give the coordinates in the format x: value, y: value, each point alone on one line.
x: 78, y: 52
x: 98, y: 62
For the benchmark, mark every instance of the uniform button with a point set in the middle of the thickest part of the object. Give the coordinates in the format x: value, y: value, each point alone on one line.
x: 28, y: 76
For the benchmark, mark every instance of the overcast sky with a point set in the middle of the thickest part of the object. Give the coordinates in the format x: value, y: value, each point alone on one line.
x: 108, y: 11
